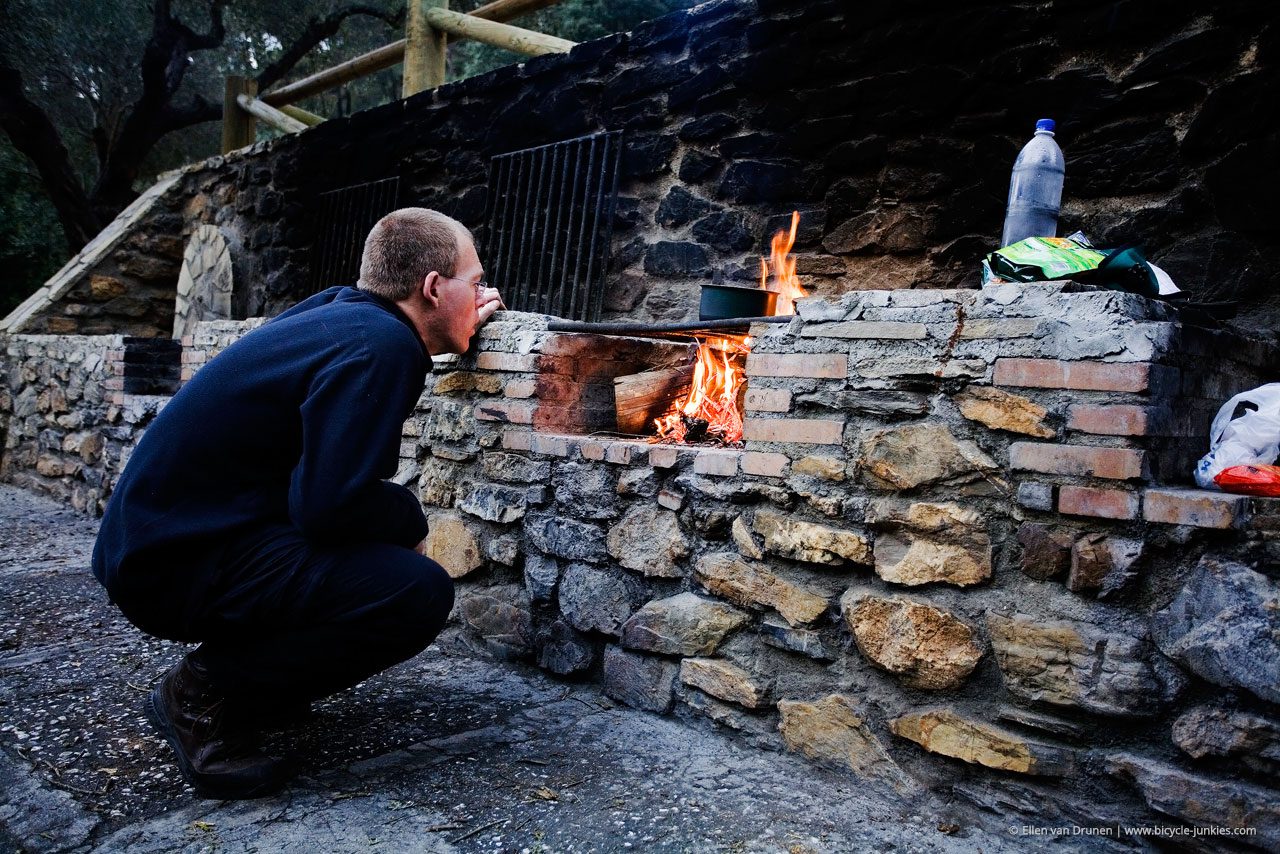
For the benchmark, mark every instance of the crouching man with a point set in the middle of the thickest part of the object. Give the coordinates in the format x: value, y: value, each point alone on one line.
x: 255, y: 516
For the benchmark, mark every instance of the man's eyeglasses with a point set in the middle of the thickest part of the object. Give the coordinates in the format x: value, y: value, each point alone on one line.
x: 480, y: 286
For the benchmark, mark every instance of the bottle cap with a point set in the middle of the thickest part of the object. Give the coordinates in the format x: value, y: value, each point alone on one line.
x: 1045, y: 124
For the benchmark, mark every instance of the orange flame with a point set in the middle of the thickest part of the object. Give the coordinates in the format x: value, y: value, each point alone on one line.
x: 718, y: 375
x: 783, y: 266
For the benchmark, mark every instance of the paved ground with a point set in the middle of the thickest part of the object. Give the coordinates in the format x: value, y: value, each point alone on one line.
x: 444, y: 753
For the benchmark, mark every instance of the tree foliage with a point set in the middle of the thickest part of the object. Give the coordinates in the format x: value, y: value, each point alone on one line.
x: 99, y: 96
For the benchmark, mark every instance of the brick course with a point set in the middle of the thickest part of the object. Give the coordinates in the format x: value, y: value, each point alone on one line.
x: 1197, y: 507
x: 1079, y: 460
x: 1086, y: 376
x: 799, y: 431
x: 798, y: 365
x: 1098, y: 502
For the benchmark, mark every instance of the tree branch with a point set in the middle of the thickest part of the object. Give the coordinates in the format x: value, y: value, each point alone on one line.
x: 317, y: 30
x: 33, y: 134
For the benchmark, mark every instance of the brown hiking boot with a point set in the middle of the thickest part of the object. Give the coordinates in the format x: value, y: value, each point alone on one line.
x: 216, y: 752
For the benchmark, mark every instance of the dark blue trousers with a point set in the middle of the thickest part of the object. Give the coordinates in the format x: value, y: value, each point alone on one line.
x: 281, y: 618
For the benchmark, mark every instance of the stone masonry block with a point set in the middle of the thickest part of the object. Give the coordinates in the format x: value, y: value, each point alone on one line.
x: 1079, y: 460
x: 1086, y: 376
x: 1035, y: 496
x: 1196, y: 507
x: 798, y: 365
x: 795, y: 430
x: 1097, y: 502
x: 641, y: 681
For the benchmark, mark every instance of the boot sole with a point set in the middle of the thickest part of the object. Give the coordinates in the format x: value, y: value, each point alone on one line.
x: 206, y: 786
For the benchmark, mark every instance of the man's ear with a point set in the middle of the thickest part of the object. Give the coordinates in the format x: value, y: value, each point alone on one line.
x: 431, y: 289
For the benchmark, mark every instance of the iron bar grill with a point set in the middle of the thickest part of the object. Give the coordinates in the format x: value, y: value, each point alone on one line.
x: 345, y: 217
x: 550, y: 224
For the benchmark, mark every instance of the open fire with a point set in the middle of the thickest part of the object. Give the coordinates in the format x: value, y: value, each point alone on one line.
x: 712, y: 408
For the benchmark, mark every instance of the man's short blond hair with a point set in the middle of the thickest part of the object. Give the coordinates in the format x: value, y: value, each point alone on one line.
x: 404, y: 246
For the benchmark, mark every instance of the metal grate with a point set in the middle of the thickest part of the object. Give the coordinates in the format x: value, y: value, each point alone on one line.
x: 345, y: 217
x: 550, y: 224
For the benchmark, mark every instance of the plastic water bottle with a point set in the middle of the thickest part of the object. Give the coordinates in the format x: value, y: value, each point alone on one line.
x: 1035, y: 192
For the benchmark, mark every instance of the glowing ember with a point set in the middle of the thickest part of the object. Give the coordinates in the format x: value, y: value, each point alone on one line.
x: 782, y: 264
x: 710, y: 410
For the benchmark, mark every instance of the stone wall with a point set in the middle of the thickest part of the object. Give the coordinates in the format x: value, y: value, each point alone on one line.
x: 950, y: 554
x: 891, y: 128
x: 69, y: 416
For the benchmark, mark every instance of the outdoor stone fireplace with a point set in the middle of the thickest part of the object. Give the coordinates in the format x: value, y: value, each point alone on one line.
x: 955, y: 533
x: 957, y: 547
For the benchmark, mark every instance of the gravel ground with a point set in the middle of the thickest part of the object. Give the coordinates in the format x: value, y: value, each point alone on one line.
x: 443, y: 753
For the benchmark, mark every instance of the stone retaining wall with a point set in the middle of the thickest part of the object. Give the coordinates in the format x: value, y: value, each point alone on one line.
x: 67, y: 415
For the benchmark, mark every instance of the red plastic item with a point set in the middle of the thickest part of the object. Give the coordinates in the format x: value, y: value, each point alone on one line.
x: 1250, y: 480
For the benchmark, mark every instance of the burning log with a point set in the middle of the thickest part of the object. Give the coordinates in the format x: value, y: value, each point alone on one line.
x: 643, y: 398
x: 711, y: 408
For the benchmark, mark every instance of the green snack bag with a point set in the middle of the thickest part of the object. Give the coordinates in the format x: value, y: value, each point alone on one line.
x: 1041, y: 259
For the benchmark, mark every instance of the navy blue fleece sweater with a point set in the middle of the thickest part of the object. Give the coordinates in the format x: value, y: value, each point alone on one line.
x: 298, y: 421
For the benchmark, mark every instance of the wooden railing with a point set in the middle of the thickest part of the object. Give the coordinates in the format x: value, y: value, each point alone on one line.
x: 429, y: 27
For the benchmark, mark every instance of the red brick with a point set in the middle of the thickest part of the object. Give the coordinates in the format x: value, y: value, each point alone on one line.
x: 1118, y: 419
x: 661, y: 457
x: 506, y: 362
x: 624, y: 453
x: 1097, y: 502
x: 716, y: 461
x: 520, y: 388
x: 510, y: 411
x: 796, y: 365
x: 1085, y: 376
x: 552, y: 446
x: 768, y: 400
x: 765, y: 464
x: 801, y: 431
x: 1198, y: 507
x: 517, y: 440
x: 1079, y: 460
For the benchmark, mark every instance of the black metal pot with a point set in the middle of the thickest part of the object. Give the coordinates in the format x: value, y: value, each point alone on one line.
x: 722, y: 302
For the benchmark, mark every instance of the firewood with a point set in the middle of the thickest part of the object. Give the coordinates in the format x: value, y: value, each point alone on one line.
x: 641, y: 398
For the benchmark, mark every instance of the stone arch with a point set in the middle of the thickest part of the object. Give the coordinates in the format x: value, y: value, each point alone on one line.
x: 205, y: 281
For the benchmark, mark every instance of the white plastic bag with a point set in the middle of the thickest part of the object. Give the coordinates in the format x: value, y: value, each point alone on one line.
x: 1251, y: 439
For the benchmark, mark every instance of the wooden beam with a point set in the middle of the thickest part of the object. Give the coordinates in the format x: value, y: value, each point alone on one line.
x: 505, y: 36
x: 508, y: 10
x: 386, y: 56
x: 269, y: 114
x: 425, y: 48
x: 307, y: 117
x: 389, y: 55
x: 238, y: 128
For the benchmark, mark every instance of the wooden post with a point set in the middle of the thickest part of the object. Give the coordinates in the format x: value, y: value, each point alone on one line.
x: 424, y: 49
x: 238, y: 127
